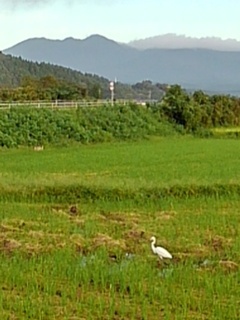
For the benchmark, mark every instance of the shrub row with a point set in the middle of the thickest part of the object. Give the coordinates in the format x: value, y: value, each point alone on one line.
x: 29, y: 127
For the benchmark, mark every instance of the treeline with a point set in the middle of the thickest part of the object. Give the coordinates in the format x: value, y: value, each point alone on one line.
x: 46, y: 88
x: 70, y: 83
x: 197, y: 111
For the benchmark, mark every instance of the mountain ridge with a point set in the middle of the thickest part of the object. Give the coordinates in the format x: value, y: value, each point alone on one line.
x: 163, y: 41
x: 192, y: 68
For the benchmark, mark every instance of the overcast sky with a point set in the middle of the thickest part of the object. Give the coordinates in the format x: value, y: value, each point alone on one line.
x: 119, y: 20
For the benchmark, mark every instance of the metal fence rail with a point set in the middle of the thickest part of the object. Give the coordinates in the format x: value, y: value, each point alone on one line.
x: 58, y: 104
x: 55, y: 104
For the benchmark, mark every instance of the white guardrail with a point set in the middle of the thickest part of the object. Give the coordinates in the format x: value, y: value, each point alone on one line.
x: 55, y: 104
x: 58, y: 104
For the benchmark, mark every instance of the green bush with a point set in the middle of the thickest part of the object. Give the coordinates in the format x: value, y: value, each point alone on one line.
x: 29, y: 126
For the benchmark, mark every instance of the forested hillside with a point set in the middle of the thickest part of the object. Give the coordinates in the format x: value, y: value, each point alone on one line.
x: 32, y: 80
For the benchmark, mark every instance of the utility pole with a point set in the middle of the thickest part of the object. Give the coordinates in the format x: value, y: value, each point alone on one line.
x: 111, y: 87
x: 150, y: 95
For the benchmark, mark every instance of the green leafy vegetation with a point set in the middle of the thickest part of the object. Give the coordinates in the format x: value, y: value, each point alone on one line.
x: 28, y: 126
x: 31, y: 126
x: 197, y: 111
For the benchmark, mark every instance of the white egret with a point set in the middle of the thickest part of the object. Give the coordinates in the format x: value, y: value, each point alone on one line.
x: 161, y: 252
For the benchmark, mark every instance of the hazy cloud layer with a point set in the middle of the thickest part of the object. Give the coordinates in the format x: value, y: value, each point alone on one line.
x: 20, y: 2
x: 15, y: 3
x: 12, y: 4
x: 174, y: 41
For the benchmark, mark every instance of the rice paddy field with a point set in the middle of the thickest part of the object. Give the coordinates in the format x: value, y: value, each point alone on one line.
x: 76, y: 224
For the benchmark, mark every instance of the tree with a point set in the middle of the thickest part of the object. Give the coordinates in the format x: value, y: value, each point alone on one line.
x: 175, y: 105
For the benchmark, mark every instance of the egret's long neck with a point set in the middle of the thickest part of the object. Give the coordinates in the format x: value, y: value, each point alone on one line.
x: 152, y: 245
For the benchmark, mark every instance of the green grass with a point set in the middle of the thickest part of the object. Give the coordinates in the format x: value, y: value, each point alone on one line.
x: 96, y: 263
x: 161, y: 162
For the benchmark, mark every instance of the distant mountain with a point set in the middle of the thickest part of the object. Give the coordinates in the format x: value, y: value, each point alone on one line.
x: 174, y: 41
x: 95, y: 54
x: 209, y: 70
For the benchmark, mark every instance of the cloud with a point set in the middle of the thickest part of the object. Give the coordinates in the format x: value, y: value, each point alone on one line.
x: 15, y: 5
x: 12, y: 3
x: 20, y: 2
x: 19, y: 5
x: 29, y: 3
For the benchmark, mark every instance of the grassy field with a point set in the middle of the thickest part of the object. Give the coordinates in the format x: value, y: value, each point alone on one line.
x: 87, y: 258
x: 160, y: 162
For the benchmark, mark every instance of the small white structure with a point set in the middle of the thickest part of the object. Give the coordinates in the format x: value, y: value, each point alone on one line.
x: 38, y: 148
x: 111, y: 87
